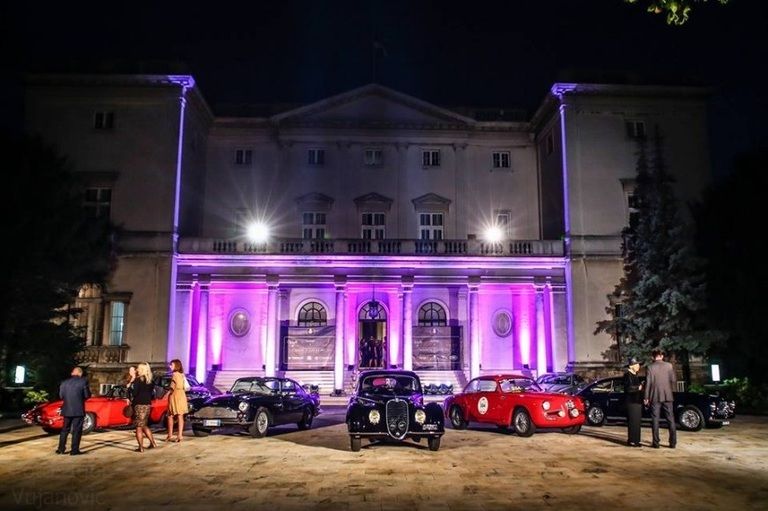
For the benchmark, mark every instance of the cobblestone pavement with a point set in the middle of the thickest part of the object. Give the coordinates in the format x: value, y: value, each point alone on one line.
x: 476, y: 469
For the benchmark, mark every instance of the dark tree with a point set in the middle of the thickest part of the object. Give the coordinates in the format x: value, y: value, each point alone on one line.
x: 660, y: 300
x: 730, y: 221
x: 52, y: 247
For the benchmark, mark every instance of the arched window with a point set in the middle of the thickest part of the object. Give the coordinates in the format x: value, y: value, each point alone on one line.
x: 373, y: 310
x: 432, y: 314
x: 312, y: 314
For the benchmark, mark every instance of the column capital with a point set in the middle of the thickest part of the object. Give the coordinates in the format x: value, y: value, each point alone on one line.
x: 406, y: 281
x: 273, y: 281
x: 340, y: 282
x: 185, y: 286
x: 473, y: 283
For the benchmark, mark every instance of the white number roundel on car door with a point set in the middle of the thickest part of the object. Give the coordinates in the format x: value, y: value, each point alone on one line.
x: 482, y: 405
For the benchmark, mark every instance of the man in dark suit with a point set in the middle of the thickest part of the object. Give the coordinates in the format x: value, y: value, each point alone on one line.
x: 74, y: 391
x: 660, y: 383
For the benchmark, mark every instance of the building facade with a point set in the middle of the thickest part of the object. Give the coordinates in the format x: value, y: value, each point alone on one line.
x: 367, y: 229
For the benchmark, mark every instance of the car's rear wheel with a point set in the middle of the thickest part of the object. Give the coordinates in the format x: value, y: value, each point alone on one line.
x: 595, y: 416
x: 457, y: 418
x: 51, y: 431
x: 260, y: 424
x: 690, y: 418
x: 522, y: 423
x: 434, y: 443
x: 572, y: 430
x: 89, y: 423
x: 306, y: 419
x: 200, y: 432
x: 355, y: 443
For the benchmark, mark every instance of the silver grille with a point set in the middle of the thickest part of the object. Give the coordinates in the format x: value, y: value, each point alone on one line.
x: 214, y: 412
x: 397, y: 418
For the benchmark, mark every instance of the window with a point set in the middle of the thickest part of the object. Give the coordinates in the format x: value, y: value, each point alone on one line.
x: 98, y: 202
x: 501, y: 160
x: 243, y: 157
x: 430, y: 158
x: 316, y: 157
x: 503, y: 221
x: 104, y: 120
x: 373, y: 226
x: 312, y: 314
x: 635, y: 129
x: 313, y: 225
x: 431, y: 226
x: 550, y: 143
x: 432, y: 314
x: 374, y: 157
x: 116, y: 323
x: 487, y: 386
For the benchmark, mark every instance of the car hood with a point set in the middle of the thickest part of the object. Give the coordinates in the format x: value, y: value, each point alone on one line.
x: 231, y: 400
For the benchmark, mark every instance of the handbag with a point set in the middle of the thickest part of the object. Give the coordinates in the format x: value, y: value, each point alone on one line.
x: 128, y: 411
x: 187, y: 386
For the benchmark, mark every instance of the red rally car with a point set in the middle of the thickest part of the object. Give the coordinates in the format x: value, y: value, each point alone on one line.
x: 100, y: 412
x: 514, y: 401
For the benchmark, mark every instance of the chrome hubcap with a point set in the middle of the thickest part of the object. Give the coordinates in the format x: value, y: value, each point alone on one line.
x: 261, y: 422
x: 689, y: 418
x: 455, y: 417
x: 87, y: 423
x: 596, y: 415
x: 521, y: 422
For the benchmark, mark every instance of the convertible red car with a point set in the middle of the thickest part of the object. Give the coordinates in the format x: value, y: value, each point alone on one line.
x: 514, y: 401
x: 100, y: 412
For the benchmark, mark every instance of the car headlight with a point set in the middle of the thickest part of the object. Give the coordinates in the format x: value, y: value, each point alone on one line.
x: 420, y: 416
x: 545, y: 405
x: 374, y: 416
x: 574, y: 412
x: 243, y: 406
x: 57, y: 411
x: 569, y: 404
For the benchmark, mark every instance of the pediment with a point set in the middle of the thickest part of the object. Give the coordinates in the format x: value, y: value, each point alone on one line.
x: 373, y: 106
x: 431, y: 201
x: 314, y: 202
x: 373, y: 202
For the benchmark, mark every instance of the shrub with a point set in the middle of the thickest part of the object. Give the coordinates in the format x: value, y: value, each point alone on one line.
x: 33, y: 397
x: 749, y: 397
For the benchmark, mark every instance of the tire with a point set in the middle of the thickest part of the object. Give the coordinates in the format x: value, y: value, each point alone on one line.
x: 595, y: 416
x: 50, y: 431
x: 200, y: 432
x: 522, y: 423
x: 690, y: 418
x: 355, y: 444
x: 89, y: 423
x: 457, y: 418
x: 260, y: 424
x: 572, y: 430
x: 434, y: 443
x: 306, y: 419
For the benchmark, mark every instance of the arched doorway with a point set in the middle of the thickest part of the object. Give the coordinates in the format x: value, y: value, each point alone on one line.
x: 372, y: 336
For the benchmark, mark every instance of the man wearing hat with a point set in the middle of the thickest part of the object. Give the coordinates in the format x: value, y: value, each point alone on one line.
x: 659, y: 387
x: 633, y: 392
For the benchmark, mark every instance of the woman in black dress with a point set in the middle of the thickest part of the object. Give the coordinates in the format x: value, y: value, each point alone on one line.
x: 633, y: 390
x: 142, y: 401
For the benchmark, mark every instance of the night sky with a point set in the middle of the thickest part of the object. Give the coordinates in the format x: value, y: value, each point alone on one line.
x: 470, y: 53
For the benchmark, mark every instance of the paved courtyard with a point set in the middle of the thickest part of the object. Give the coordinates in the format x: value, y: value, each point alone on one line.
x: 477, y: 469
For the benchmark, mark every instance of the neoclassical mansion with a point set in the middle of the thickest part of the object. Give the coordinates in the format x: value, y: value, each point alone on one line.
x: 459, y: 241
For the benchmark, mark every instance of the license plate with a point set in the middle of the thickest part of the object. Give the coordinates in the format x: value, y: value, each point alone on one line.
x: 211, y: 422
x: 725, y: 423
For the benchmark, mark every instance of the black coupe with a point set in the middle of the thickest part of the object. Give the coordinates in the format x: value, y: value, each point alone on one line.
x: 255, y: 404
x: 388, y: 405
x: 605, y: 400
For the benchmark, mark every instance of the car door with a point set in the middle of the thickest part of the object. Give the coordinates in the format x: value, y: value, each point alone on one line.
x: 293, y: 401
x: 617, y: 400
x: 487, y: 402
x: 469, y: 398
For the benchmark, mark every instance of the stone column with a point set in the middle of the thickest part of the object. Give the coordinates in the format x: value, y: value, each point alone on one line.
x: 338, y: 352
x: 407, y: 283
x: 201, y: 363
x: 474, y: 327
x: 182, y: 338
x: 541, y: 339
x: 271, y: 351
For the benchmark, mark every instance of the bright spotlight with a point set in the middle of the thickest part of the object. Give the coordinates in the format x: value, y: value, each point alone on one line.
x: 494, y: 234
x: 258, y: 232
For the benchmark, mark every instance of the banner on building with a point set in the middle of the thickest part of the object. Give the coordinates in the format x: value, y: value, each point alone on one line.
x: 309, y: 351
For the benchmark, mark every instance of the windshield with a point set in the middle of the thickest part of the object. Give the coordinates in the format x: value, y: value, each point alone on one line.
x: 519, y: 385
x: 259, y: 386
x: 399, y: 385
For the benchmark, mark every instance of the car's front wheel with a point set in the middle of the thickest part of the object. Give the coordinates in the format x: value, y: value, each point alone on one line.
x: 572, y: 430
x: 306, y: 419
x: 200, y: 432
x: 522, y: 423
x: 260, y: 424
x: 595, y: 416
x: 690, y: 419
x: 355, y: 443
x: 89, y: 423
x: 457, y: 418
x: 434, y: 443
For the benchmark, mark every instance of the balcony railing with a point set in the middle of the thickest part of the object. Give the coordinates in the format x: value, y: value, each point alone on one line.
x: 510, y: 248
x: 102, y: 355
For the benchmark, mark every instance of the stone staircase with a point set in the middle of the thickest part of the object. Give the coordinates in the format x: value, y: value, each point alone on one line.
x: 223, y: 380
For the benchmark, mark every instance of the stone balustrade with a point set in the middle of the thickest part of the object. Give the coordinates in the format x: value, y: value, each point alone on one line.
x: 103, y: 355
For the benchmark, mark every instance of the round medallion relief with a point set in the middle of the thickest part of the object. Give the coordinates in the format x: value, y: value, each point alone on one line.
x: 502, y: 323
x: 239, y: 322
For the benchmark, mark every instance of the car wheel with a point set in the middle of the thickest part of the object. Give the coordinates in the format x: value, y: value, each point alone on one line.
x: 434, y: 443
x: 522, y: 424
x: 690, y: 419
x: 572, y: 430
x: 457, y: 418
x: 260, y: 424
x: 89, y: 423
x: 51, y: 431
x: 595, y: 416
x: 306, y: 419
x: 355, y: 444
x: 201, y: 432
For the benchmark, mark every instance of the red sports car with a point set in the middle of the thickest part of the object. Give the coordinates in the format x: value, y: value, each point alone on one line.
x: 514, y: 401
x: 100, y: 412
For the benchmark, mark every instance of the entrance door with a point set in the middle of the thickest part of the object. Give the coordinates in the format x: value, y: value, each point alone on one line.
x: 372, y: 336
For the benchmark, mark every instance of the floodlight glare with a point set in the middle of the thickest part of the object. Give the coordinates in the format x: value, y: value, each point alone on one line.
x: 494, y: 234
x: 258, y: 232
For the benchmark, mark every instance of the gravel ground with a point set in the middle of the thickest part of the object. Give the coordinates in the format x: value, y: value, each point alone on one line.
x: 476, y: 469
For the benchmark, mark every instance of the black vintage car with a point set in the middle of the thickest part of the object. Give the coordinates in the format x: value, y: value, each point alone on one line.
x: 197, y: 393
x: 605, y: 400
x: 255, y: 404
x: 388, y: 405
